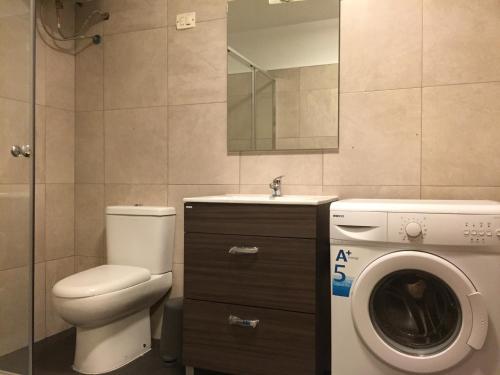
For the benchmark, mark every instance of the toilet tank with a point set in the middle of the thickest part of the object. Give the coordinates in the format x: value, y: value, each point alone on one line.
x: 141, y: 236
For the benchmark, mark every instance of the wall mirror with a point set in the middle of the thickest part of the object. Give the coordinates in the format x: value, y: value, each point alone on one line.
x: 283, y: 64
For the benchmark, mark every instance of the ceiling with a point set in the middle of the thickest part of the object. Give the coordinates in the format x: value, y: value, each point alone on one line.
x: 258, y: 14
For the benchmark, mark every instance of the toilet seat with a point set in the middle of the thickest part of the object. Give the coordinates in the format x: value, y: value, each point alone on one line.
x: 100, y: 280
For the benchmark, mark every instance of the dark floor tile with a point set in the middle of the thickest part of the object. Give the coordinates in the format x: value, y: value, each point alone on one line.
x: 54, y: 356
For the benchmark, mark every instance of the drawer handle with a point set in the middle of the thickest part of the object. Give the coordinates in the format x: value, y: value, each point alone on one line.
x: 239, y: 250
x: 247, y: 323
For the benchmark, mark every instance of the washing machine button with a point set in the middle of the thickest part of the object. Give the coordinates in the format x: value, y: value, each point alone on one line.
x: 413, y: 229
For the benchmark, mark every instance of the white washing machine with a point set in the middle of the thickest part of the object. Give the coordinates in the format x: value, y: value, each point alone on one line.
x: 415, y: 287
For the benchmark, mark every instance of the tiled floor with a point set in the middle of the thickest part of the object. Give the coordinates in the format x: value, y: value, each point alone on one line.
x: 54, y: 356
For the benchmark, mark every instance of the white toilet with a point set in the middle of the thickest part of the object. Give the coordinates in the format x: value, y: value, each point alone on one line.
x: 109, y: 305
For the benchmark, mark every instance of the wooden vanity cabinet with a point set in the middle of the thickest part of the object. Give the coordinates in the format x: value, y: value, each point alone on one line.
x: 256, y: 288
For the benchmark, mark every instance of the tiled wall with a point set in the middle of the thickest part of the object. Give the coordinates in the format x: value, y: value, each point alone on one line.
x: 14, y: 175
x: 419, y: 111
x: 54, y: 253
x: 54, y: 174
x: 307, y: 107
x: 121, y: 119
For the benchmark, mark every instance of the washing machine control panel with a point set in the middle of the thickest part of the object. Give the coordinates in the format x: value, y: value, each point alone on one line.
x: 444, y: 229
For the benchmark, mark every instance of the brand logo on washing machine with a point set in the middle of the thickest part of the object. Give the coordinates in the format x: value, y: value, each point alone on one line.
x: 341, y: 283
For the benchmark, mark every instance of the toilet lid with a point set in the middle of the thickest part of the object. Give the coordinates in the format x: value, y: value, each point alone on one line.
x: 100, y: 280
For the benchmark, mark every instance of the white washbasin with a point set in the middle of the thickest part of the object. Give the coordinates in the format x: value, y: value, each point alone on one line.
x: 312, y: 200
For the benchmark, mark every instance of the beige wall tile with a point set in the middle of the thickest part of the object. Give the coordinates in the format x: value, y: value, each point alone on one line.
x: 197, y: 64
x: 461, y: 129
x: 59, y: 221
x: 135, y: 66
x: 56, y: 270
x: 59, y: 146
x: 461, y: 41
x: 205, y: 9
x: 89, y: 85
x: 39, y: 223
x: 239, y: 84
x: 39, y: 304
x: 15, y: 57
x: 322, y: 142
x: 288, y: 143
x: 13, y: 8
x: 319, y: 113
x: 89, y: 147
x: 239, y: 117
x: 136, y: 146
x: 40, y: 144
x: 84, y: 262
x: 14, y: 226
x: 373, y: 192
x: 14, y: 128
x: 60, y: 79
x: 298, y: 169
x: 381, y: 44
x: 286, y: 189
x: 287, y: 114
x: 133, y: 15
x: 147, y: 195
x: 89, y: 220
x: 379, y: 141
x: 176, y: 194
x: 177, y: 281
x: 286, y: 79
x: 197, y: 146
x: 40, y: 73
x: 14, y: 314
x: 319, y: 77
x: 461, y: 192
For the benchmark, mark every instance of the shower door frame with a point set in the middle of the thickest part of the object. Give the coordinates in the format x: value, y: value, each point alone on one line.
x: 31, y: 222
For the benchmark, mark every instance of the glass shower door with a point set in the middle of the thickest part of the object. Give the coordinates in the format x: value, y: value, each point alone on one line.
x: 16, y: 184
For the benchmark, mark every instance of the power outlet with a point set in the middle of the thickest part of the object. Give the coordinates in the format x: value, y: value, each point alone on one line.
x: 186, y: 21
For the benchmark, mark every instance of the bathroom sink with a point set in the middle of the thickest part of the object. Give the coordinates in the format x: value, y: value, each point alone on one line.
x: 312, y: 200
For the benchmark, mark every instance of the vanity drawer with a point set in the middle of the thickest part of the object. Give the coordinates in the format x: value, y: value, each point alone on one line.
x: 281, y: 343
x: 281, y: 274
x: 251, y: 219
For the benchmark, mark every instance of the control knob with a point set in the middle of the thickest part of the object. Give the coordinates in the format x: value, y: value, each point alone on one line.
x: 413, y: 229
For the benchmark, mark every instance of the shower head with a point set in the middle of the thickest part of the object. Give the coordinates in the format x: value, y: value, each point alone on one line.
x: 95, y: 14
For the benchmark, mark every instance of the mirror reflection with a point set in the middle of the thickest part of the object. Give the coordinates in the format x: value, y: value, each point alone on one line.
x: 283, y: 64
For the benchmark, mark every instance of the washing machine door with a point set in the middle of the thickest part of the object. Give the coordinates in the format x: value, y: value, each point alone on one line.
x: 418, y: 312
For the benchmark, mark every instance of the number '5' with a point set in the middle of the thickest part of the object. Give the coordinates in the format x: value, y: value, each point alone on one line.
x: 340, y: 275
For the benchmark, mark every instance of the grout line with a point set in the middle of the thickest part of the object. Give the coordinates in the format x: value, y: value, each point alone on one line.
x: 142, y: 107
x: 422, y: 87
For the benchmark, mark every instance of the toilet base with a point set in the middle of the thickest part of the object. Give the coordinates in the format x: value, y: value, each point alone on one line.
x: 109, y: 347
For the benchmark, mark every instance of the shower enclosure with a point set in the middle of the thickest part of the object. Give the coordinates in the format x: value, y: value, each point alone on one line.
x: 251, y: 105
x: 16, y: 184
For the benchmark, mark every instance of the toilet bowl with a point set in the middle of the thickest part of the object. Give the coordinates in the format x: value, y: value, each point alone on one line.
x: 109, y: 305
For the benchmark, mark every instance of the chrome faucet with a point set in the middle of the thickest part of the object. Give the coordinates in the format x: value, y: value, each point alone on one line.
x: 276, y: 186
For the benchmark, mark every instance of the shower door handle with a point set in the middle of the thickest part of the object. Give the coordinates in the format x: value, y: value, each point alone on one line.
x: 24, y: 150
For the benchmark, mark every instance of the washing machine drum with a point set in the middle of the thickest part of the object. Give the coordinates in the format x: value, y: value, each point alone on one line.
x: 418, y: 312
